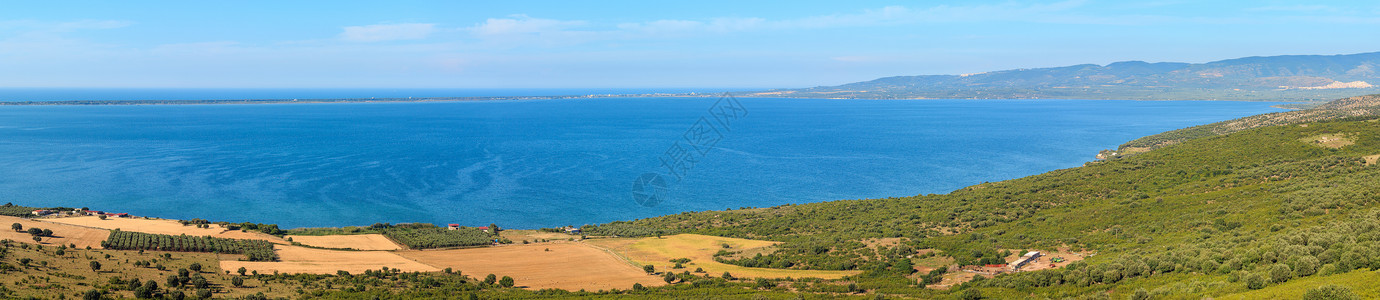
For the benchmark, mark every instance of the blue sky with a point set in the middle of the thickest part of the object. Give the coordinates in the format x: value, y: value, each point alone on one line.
x: 612, y: 44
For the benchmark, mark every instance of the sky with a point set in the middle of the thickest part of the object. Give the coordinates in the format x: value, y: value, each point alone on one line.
x: 634, y: 44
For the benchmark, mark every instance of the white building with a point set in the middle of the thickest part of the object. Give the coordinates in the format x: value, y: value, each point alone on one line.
x: 1025, y: 259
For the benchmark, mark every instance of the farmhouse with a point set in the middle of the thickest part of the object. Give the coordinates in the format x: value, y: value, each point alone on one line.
x: 1029, y: 257
x: 453, y: 226
x: 42, y: 212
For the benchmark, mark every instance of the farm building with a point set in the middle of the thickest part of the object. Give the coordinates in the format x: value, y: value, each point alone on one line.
x: 1025, y: 259
x: 42, y: 212
x: 453, y: 226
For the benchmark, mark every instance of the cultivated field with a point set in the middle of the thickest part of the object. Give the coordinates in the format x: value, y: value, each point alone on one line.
x: 163, y: 227
x: 63, y: 234
x: 354, y: 241
x: 700, y: 250
x: 562, y: 265
x: 294, y: 259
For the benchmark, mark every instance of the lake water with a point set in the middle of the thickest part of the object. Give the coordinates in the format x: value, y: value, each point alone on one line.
x: 544, y: 163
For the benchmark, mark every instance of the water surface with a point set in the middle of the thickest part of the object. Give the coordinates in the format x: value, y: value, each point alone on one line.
x: 543, y: 163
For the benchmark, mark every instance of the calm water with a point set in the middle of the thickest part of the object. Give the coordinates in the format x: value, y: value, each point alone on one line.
x: 534, y: 164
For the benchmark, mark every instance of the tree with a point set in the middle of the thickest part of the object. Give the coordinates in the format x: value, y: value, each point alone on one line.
x: 506, y: 282
x: 490, y: 279
x: 970, y: 294
x: 1330, y: 292
x: 203, y: 294
x: 669, y: 277
x: 727, y: 276
x: 1255, y: 281
x: 242, y: 270
x: 650, y: 269
x: 102, y: 217
x: 91, y: 295
x: 195, y: 267
x: 1280, y: 273
x: 199, y: 282
x: 95, y: 266
x: 639, y: 287
x: 46, y: 232
x: 35, y: 231
x: 17, y: 227
x: 38, y: 239
x: 237, y: 281
x: 173, y: 281
x: 1141, y: 294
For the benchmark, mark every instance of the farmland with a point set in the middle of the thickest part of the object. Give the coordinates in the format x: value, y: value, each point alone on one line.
x: 562, y: 265
x: 161, y: 226
x: 64, y: 234
x: 302, y: 260
x: 430, y: 238
x: 357, y: 241
x: 700, y: 249
x: 254, y: 250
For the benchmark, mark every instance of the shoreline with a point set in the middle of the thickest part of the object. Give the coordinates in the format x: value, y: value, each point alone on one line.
x: 519, y: 98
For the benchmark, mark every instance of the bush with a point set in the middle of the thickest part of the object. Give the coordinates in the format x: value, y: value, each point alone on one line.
x: 1330, y: 292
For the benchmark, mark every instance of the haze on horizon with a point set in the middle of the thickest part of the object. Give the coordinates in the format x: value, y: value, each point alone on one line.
x: 634, y: 44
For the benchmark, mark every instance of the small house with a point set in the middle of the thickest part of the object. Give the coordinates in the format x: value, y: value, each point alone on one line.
x: 572, y: 230
x: 41, y: 212
x: 453, y: 226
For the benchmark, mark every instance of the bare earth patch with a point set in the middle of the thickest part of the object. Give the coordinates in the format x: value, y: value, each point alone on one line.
x: 294, y: 259
x: 1333, y: 141
x: 520, y: 235
x: 567, y: 265
x: 357, y: 241
x: 162, y: 226
x: 1371, y: 159
x: 700, y: 250
x: 63, y: 234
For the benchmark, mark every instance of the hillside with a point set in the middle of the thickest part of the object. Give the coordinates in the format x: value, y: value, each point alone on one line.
x: 1245, y: 212
x: 1358, y: 106
x: 1274, y: 78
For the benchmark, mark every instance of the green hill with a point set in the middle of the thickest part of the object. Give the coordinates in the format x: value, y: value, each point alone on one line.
x: 1206, y: 217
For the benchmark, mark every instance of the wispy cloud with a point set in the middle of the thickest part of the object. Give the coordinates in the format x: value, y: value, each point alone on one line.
x: 387, y: 32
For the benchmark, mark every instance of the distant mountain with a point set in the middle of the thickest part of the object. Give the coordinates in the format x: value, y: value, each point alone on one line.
x: 1290, y: 77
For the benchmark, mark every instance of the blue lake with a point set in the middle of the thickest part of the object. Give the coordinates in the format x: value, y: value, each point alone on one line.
x: 529, y: 164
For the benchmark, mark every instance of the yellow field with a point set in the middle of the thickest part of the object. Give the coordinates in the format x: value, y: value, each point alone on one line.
x: 700, y: 250
x: 357, y: 241
x: 63, y: 234
x: 294, y: 259
x: 163, y: 227
x: 562, y: 265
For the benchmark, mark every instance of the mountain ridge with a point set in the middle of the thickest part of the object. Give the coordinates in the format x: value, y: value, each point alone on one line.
x: 1273, y: 78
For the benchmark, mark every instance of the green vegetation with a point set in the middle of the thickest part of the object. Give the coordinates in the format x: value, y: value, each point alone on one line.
x: 435, y: 237
x: 620, y: 229
x: 1343, y: 108
x: 254, y: 250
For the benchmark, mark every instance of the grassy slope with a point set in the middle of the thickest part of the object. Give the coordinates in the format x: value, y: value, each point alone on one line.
x: 1218, y: 193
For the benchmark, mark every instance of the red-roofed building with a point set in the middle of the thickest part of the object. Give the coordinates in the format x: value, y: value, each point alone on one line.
x: 453, y: 226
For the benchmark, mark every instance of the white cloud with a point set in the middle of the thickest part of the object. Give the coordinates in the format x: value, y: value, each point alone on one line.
x: 1295, y: 8
x: 387, y: 32
x: 523, y: 25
